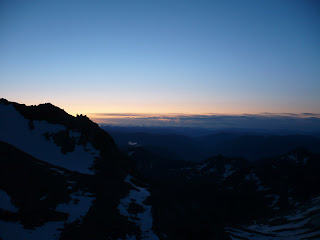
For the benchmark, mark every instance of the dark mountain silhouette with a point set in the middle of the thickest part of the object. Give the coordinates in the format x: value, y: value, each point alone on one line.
x: 68, y: 180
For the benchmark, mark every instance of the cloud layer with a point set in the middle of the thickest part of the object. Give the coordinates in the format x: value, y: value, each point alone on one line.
x: 287, y: 121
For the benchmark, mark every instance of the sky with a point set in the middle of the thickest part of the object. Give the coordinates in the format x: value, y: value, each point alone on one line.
x: 161, y: 57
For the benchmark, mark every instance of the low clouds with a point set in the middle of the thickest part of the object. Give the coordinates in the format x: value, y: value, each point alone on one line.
x: 287, y: 121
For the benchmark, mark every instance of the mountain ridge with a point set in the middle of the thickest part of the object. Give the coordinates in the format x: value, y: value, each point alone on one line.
x: 63, y: 146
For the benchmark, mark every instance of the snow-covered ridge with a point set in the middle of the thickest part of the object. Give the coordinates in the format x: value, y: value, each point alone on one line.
x: 15, y: 130
x: 143, y: 219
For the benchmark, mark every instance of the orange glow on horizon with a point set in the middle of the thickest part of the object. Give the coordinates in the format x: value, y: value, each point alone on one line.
x: 101, y: 110
x: 173, y: 109
x: 119, y: 111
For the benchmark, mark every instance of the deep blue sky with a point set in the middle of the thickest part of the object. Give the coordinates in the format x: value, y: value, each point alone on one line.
x: 162, y: 56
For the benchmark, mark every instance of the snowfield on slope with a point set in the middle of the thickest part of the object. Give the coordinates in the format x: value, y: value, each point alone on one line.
x: 77, y: 208
x: 302, y: 224
x: 5, y: 202
x: 14, y: 130
x: 144, y: 219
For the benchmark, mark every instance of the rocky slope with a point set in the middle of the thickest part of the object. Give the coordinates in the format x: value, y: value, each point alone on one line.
x: 232, y: 198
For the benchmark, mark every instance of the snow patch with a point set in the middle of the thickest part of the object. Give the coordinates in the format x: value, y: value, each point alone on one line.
x: 144, y: 219
x: 77, y: 207
x: 43, y: 197
x: 263, y: 188
x: 14, y: 130
x: 200, y: 167
x: 227, y: 170
x: 57, y: 170
x: 293, y: 157
x: 133, y: 143
x: 50, y: 230
x: 252, y: 177
x: 130, y: 153
x: 275, y: 199
x: 5, y: 202
x: 129, y: 237
x: 296, y: 227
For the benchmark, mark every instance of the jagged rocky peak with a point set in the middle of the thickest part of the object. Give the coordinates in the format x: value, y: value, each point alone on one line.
x: 88, y: 130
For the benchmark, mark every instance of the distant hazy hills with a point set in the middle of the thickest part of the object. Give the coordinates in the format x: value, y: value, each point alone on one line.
x: 251, y: 146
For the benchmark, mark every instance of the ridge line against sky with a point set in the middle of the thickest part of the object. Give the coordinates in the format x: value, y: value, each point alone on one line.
x: 297, y: 123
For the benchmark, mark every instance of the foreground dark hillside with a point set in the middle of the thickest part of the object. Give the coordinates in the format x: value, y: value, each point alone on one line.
x: 221, y: 196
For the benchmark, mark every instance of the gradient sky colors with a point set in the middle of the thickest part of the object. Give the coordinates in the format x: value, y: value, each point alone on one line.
x: 190, y: 57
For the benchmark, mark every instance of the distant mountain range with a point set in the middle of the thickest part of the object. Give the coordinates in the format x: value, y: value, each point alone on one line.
x: 64, y: 177
x: 249, y: 145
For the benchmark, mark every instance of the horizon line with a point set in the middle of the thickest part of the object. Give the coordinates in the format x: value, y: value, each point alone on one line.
x: 266, y: 114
